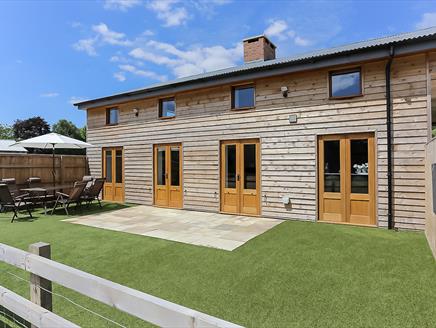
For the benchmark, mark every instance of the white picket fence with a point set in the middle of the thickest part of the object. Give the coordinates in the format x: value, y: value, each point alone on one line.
x: 141, y: 305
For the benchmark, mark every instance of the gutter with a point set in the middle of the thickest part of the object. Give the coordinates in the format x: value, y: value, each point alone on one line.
x: 389, y: 136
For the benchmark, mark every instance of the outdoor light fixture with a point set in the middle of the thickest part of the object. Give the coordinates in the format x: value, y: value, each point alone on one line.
x: 284, y: 91
x: 136, y: 111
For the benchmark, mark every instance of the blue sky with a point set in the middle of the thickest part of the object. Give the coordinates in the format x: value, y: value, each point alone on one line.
x: 56, y: 52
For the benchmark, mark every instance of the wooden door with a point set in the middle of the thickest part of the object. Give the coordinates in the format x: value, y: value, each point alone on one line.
x: 168, y: 176
x: 113, y: 171
x: 347, y: 178
x: 240, y: 176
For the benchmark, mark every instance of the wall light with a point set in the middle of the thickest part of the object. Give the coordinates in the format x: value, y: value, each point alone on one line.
x: 284, y: 91
x: 135, y: 111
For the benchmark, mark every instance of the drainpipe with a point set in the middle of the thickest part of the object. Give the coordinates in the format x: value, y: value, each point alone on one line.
x: 389, y: 136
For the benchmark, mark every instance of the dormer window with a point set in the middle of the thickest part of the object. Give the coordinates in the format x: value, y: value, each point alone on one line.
x: 112, y: 116
x: 167, y: 108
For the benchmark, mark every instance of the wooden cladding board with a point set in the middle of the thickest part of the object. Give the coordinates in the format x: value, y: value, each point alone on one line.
x: 288, y: 150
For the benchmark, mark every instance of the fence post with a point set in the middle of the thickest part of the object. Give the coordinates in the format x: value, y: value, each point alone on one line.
x: 41, y: 296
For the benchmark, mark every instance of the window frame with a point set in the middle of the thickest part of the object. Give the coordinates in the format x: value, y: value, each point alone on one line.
x: 345, y: 71
x: 159, y: 108
x: 238, y: 87
x: 108, y: 110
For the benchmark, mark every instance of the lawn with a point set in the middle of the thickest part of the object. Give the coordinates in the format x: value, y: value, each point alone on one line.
x: 299, y: 274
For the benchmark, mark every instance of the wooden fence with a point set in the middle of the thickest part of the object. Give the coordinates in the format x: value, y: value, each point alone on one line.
x: 141, y: 305
x: 430, y: 194
x: 68, y: 168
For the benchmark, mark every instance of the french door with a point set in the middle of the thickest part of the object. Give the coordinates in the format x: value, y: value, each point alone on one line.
x: 168, y: 175
x: 347, y: 178
x: 240, y: 177
x: 113, y: 171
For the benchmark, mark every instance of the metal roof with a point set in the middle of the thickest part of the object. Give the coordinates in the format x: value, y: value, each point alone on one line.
x: 6, y: 147
x: 403, y: 38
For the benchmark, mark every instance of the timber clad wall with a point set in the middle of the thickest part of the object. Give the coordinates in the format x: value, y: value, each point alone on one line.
x: 288, y: 151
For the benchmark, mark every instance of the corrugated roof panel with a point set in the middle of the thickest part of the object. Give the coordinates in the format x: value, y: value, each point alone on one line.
x: 288, y: 60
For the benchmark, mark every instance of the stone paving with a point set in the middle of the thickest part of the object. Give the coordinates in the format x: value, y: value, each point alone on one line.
x: 216, y: 230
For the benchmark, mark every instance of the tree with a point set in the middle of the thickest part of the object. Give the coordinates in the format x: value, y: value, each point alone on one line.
x: 83, y: 133
x: 69, y: 129
x: 6, y: 132
x: 32, y: 127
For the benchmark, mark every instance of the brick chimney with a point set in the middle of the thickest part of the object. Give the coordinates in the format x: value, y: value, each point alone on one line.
x: 258, y: 48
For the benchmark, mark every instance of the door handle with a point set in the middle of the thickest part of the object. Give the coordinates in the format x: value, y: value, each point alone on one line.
x: 238, y: 177
x: 166, y: 175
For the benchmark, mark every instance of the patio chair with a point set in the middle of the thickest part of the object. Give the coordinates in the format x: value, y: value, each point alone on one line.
x: 89, y: 179
x: 12, y: 185
x: 67, y: 199
x: 93, y: 192
x: 15, y: 204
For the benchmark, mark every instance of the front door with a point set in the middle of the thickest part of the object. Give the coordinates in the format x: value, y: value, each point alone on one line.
x: 168, y: 176
x: 347, y: 178
x: 240, y: 172
x: 113, y: 189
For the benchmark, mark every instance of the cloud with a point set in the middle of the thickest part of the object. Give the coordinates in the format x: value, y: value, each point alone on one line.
x: 110, y: 37
x: 168, y: 12
x: 102, y: 35
x: 427, y: 20
x: 122, y: 5
x: 139, y: 53
x: 299, y: 41
x: 86, y: 45
x: 279, y: 29
x: 75, y: 99
x: 148, y: 33
x: 148, y: 74
x: 76, y: 24
x: 49, y: 95
x: 191, y: 61
x: 120, y: 76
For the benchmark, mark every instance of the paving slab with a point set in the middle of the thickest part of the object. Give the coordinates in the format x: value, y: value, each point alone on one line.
x: 222, y: 231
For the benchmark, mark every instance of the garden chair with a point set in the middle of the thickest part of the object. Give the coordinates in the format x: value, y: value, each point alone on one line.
x: 93, y: 192
x: 15, y: 204
x: 12, y: 185
x: 89, y: 179
x: 67, y: 199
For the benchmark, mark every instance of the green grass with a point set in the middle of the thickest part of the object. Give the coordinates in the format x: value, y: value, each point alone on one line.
x: 298, y: 274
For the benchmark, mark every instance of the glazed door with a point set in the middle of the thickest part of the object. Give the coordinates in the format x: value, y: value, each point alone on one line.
x: 168, y: 176
x: 347, y: 179
x: 113, y: 171
x: 240, y: 177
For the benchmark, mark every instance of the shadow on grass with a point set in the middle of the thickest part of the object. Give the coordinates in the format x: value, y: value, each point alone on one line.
x: 60, y: 212
x: 88, y: 209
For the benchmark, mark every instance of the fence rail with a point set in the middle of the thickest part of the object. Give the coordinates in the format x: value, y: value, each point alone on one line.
x: 141, y: 305
x: 68, y: 168
x: 31, y: 312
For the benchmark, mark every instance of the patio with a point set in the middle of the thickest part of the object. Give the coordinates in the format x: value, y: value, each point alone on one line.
x: 221, y: 231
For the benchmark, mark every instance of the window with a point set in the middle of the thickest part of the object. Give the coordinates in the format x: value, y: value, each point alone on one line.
x: 345, y: 84
x: 243, y: 97
x: 167, y: 108
x: 111, y: 116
